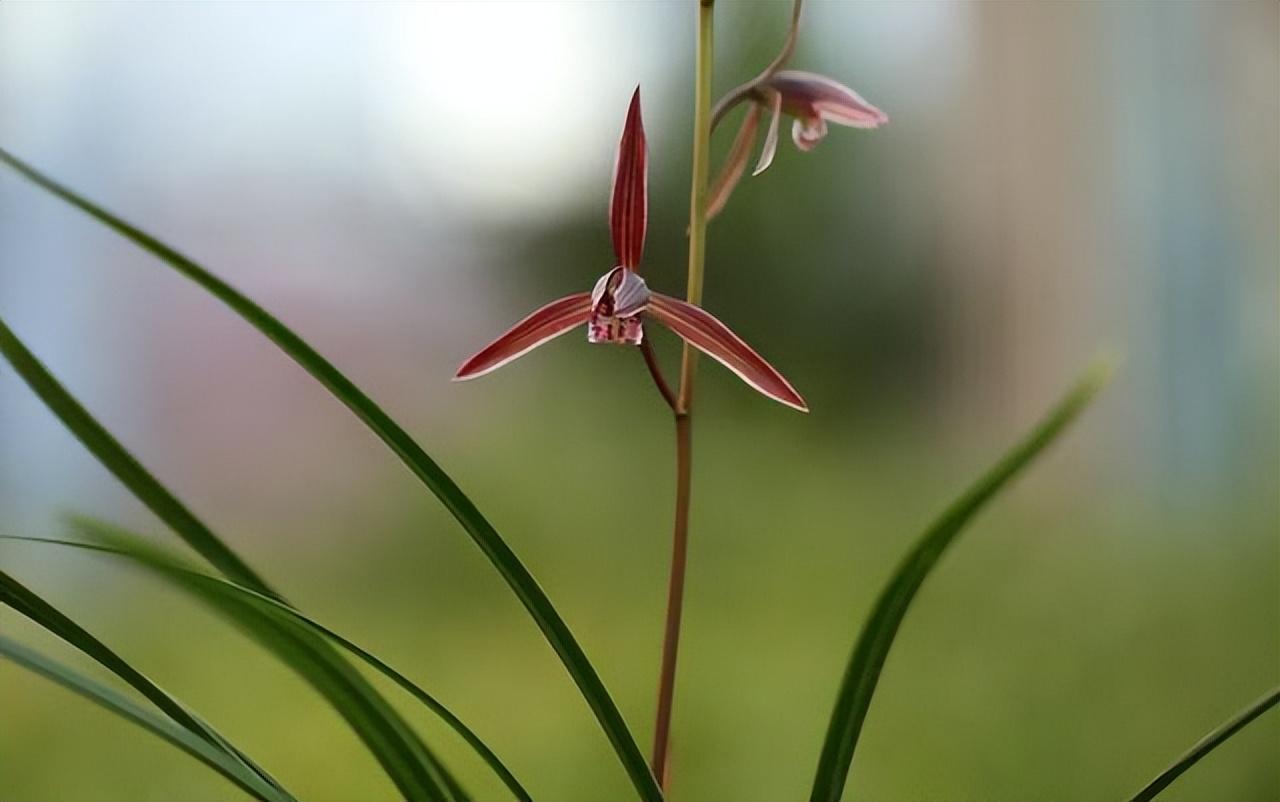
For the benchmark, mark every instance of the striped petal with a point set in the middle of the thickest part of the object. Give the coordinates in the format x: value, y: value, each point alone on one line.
x: 806, y: 94
x: 545, y: 324
x: 735, y: 164
x: 629, y: 201
x: 700, y: 329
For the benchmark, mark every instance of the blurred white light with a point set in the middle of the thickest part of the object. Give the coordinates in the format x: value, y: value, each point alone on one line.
x: 497, y: 101
x: 923, y: 46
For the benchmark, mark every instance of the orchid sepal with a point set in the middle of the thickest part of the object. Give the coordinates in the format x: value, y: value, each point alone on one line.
x: 539, y: 327
x: 704, y: 331
x: 735, y: 163
x: 629, y: 195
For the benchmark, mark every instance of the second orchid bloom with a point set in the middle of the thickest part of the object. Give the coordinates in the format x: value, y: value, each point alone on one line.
x: 812, y: 99
x: 616, y: 310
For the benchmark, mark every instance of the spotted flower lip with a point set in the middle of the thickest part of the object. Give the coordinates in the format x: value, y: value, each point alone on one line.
x: 617, y: 308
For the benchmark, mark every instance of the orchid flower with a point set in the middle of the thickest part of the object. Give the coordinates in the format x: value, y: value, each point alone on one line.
x: 813, y: 100
x: 616, y: 310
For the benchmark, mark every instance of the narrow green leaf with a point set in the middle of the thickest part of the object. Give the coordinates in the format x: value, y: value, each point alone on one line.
x: 123, y: 464
x: 415, y: 770
x: 863, y: 671
x: 1207, y: 744
x: 115, y: 541
x: 213, y: 757
x: 428, y: 472
x: 26, y: 602
x: 406, y: 759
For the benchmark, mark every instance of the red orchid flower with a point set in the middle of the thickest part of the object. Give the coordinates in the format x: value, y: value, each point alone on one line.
x: 616, y: 310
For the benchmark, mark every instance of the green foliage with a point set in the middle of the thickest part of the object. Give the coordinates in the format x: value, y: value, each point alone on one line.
x: 133, y: 475
x: 408, y: 761
x: 308, y: 647
x: 867, y: 661
x: 183, y: 728
x: 1207, y: 744
x: 232, y: 599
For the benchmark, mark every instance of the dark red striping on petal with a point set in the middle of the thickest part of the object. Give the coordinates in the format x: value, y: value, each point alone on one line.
x: 703, y: 331
x: 629, y: 204
x: 542, y: 325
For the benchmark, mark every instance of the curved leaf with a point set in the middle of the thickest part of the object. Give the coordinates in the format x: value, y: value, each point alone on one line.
x: 1206, y: 745
x: 406, y: 759
x: 23, y: 600
x: 213, y: 757
x: 114, y: 541
x: 863, y: 671
x: 432, y: 475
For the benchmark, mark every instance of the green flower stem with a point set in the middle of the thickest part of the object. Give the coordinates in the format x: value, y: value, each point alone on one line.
x: 684, y: 401
x: 698, y: 194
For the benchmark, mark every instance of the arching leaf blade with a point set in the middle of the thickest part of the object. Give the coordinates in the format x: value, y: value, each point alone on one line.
x: 504, y: 560
x: 26, y: 602
x: 1207, y: 744
x: 166, y: 729
x: 410, y: 764
x: 872, y: 648
x: 117, y: 542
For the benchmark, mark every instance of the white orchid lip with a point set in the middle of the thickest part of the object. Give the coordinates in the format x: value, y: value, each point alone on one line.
x: 807, y: 132
x: 617, y: 301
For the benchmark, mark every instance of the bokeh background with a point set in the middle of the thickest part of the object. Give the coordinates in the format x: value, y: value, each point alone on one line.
x: 400, y: 182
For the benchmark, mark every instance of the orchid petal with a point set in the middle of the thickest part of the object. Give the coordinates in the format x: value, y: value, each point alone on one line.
x: 806, y: 94
x: 771, y: 138
x: 629, y: 203
x: 545, y: 324
x: 735, y: 163
x: 703, y: 331
x: 807, y: 132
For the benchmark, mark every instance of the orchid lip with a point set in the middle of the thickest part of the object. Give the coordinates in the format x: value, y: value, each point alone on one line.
x: 617, y: 301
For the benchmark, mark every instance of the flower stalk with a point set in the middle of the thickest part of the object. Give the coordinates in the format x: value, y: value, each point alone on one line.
x: 699, y: 191
x: 684, y: 400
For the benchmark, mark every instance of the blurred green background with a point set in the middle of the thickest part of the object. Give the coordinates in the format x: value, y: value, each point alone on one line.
x: 401, y: 182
